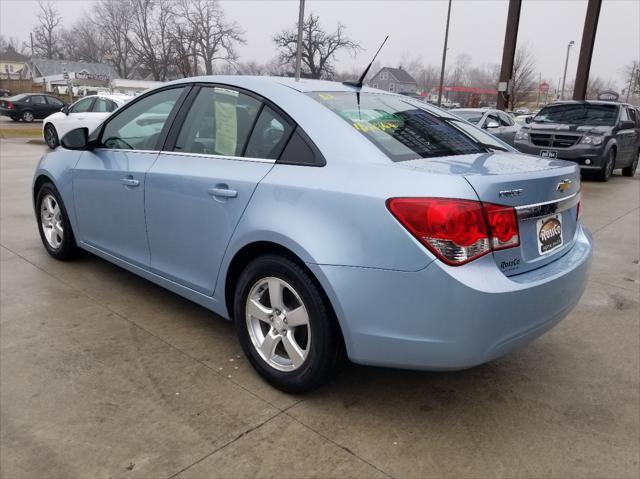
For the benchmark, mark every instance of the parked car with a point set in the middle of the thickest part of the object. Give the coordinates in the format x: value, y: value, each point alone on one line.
x: 30, y: 106
x: 324, y: 218
x: 88, y: 111
x: 523, y: 119
x: 496, y: 122
x: 600, y: 136
x: 4, y: 93
x: 521, y: 111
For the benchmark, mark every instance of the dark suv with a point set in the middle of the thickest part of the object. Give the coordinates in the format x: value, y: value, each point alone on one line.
x: 600, y: 136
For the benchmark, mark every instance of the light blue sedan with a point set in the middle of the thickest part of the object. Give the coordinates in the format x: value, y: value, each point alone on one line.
x: 325, y: 220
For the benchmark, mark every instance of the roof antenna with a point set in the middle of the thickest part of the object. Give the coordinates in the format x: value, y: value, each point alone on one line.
x: 358, y: 84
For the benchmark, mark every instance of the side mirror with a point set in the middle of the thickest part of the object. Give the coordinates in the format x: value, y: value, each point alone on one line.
x: 627, y: 124
x: 65, y: 110
x: 528, y: 119
x: 77, y: 139
x: 492, y: 124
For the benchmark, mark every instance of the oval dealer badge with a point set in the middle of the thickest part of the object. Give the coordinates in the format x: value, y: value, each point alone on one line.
x: 549, y: 233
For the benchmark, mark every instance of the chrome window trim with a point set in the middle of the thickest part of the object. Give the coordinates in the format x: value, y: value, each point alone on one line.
x: 219, y: 157
x: 126, y: 150
x: 539, y: 210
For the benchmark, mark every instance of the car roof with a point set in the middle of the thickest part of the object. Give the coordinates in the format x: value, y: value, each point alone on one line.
x: 471, y: 109
x: 304, y: 85
x: 588, y: 102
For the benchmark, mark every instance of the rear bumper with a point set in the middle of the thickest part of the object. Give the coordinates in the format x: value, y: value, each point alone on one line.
x: 577, y: 153
x: 9, y: 113
x: 446, y: 317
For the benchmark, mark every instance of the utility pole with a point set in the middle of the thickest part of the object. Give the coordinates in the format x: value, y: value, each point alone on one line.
x: 31, y: 34
x: 508, y: 54
x: 539, y: 86
x: 566, y: 63
x: 586, y: 49
x: 444, y: 54
x: 299, y: 45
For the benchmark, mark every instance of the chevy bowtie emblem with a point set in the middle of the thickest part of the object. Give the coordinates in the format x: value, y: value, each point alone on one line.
x: 564, y: 185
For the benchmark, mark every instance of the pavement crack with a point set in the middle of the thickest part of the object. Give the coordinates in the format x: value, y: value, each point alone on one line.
x: 228, y: 443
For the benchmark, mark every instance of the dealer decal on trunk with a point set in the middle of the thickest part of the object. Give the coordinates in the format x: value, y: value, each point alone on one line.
x: 549, y: 233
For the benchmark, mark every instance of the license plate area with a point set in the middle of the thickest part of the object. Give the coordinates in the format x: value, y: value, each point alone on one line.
x: 551, y: 154
x: 549, y: 233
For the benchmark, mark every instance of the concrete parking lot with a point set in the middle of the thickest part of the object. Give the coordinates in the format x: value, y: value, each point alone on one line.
x: 103, y: 374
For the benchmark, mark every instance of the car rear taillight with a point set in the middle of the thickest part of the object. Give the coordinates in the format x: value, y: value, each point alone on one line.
x: 10, y: 106
x: 457, y: 231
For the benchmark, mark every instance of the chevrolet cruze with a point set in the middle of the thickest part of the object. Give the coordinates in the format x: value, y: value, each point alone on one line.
x: 325, y: 220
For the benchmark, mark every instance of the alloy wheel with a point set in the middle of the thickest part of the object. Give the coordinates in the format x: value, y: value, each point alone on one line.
x: 278, y: 324
x: 27, y: 116
x: 51, y: 221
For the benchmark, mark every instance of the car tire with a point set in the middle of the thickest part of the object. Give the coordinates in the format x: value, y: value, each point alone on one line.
x: 609, y: 165
x: 53, y: 224
x: 631, y: 169
x: 27, y: 116
x: 293, y: 358
x: 51, y: 136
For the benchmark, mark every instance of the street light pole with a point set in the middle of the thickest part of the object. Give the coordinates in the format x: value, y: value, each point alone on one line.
x: 299, y: 45
x: 566, y: 63
x: 444, y: 55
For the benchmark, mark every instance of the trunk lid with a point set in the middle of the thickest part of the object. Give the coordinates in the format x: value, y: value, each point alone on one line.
x: 544, y: 192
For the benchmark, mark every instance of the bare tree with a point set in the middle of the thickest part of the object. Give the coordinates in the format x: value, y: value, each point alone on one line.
x: 151, y: 39
x: 184, y: 47
x: 214, y: 36
x: 114, y: 18
x: 524, y: 76
x: 84, y: 42
x: 46, y: 33
x: 319, y: 47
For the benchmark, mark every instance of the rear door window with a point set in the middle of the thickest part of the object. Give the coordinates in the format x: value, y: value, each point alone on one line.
x: 38, y: 100
x: 505, y: 120
x: 102, y: 105
x: 218, y: 123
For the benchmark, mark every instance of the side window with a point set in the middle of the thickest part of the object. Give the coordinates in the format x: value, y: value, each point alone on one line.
x: 505, y: 120
x: 491, y: 117
x: 392, y: 86
x: 623, y: 114
x: 38, y: 100
x: 82, y: 106
x: 138, y: 126
x: 269, y: 135
x: 55, y: 102
x: 632, y: 115
x: 299, y: 151
x: 102, y: 105
x: 218, y: 123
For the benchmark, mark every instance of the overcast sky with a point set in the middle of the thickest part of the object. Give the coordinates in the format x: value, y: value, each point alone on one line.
x: 416, y: 29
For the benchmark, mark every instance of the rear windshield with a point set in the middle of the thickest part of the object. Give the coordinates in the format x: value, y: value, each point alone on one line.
x: 579, y: 114
x: 469, y: 115
x: 15, y: 97
x: 401, y: 129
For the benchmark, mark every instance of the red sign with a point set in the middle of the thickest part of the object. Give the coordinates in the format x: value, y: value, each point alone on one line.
x: 544, y: 87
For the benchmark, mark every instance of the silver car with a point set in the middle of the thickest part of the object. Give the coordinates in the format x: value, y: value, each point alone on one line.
x: 496, y: 122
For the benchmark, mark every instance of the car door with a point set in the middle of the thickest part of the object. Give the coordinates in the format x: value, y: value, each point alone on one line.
x: 76, y: 117
x: 109, y: 181
x: 53, y: 105
x: 199, y: 187
x: 39, y: 106
x: 625, y: 138
x: 634, y: 138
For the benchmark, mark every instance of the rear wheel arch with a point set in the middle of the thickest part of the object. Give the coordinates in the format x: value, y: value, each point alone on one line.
x: 254, y: 250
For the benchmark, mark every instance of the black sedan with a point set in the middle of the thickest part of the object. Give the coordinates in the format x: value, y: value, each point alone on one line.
x: 30, y: 106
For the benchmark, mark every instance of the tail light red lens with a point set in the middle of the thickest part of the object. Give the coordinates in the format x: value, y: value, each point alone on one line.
x: 457, y: 231
x: 10, y: 106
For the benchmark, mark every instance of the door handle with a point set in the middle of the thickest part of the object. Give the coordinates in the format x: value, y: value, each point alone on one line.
x: 222, y: 192
x: 130, y: 182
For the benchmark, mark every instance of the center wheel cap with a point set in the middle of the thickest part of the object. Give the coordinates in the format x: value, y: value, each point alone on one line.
x: 278, y: 322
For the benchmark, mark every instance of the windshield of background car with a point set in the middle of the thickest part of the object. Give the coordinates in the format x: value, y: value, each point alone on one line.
x: 470, y: 116
x: 579, y: 114
x: 398, y: 127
